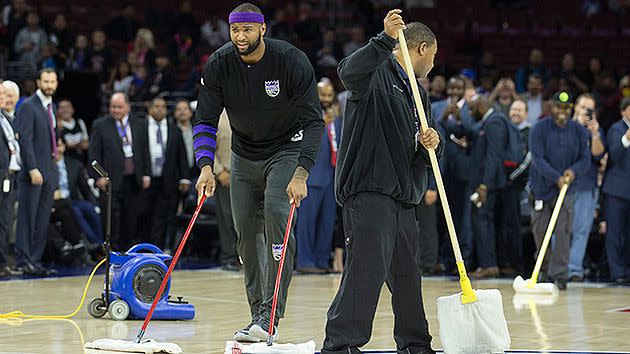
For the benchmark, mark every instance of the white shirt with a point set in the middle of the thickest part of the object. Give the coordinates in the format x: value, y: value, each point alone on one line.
x: 624, y: 141
x: 15, y: 161
x: 156, y: 150
x: 534, y: 108
x: 45, y: 102
x: 78, y: 137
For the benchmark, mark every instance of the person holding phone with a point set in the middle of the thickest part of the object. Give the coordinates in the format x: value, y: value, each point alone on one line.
x: 586, y: 189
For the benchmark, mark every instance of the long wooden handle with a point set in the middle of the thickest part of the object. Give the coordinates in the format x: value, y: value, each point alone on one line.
x: 552, y: 224
x: 468, y: 295
x: 434, y: 161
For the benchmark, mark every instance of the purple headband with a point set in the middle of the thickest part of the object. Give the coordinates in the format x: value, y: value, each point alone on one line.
x: 246, y: 17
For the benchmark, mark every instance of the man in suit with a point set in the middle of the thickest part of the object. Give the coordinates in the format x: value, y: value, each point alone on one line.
x: 168, y: 166
x: 488, y: 180
x: 119, y: 143
x: 36, y: 126
x: 617, y: 196
x: 316, y: 217
x: 454, y: 120
x: 225, y: 221
x: 10, y: 164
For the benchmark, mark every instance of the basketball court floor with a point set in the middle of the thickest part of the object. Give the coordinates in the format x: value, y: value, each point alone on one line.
x: 587, y: 318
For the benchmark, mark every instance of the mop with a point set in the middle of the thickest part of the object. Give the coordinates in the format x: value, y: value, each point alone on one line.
x: 470, y: 321
x: 232, y: 347
x: 531, y: 285
x: 150, y: 345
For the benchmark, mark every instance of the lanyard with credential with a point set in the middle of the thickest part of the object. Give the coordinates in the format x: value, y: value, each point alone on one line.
x: 122, y: 131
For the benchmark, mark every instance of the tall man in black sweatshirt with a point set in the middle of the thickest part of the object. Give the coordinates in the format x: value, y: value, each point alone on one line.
x: 268, y: 89
x: 381, y: 175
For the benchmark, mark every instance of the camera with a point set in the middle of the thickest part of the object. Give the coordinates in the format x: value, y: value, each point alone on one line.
x: 589, y: 113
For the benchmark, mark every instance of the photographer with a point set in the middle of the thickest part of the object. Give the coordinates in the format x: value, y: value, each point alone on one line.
x: 586, y: 189
x: 503, y: 95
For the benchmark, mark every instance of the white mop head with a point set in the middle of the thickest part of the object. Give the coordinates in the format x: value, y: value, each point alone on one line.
x: 146, y: 346
x: 258, y: 348
x: 475, y: 328
x: 522, y: 301
x: 520, y: 286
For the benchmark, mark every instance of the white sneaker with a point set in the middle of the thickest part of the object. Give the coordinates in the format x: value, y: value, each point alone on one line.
x: 258, y: 332
x: 243, y: 335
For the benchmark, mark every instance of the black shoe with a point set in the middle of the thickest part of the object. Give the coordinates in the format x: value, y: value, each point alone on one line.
x: 417, y: 350
x: 576, y: 279
x: 29, y: 269
x: 561, y: 284
x: 233, y: 266
x: 7, y: 271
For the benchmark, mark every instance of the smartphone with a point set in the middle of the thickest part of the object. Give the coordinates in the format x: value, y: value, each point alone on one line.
x: 589, y: 113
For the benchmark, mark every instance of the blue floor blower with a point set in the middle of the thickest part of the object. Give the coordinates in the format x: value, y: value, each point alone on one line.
x: 133, y: 278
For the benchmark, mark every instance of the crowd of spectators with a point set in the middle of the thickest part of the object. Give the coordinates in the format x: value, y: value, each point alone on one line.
x: 147, y: 72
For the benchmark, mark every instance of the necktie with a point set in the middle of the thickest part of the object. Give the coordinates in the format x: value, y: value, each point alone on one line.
x: 159, y: 161
x: 53, y: 135
x: 332, y: 138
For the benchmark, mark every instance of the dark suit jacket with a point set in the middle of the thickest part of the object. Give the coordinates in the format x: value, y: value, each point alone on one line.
x: 106, y: 147
x: 77, y: 182
x: 175, y: 161
x: 5, y: 154
x: 322, y: 173
x: 457, y: 162
x: 31, y: 124
x: 488, y: 152
x: 618, y: 169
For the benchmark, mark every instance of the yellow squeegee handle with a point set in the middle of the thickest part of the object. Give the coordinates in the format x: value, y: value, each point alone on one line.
x: 552, y: 224
x: 468, y: 295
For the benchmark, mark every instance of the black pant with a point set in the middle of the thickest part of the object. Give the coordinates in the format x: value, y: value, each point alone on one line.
x: 509, y: 240
x: 33, y: 218
x: 382, y: 240
x: 64, y: 214
x: 225, y: 224
x: 160, y: 203
x: 429, y: 239
x: 6, y: 204
x: 126, y: 207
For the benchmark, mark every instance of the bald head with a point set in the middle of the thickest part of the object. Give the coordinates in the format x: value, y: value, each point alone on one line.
x: 479, y: 106
x: 119, y: 105
x: 326, y: 93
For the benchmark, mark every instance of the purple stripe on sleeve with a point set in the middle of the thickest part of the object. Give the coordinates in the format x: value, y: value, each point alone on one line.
x: 202, y: 128
x: 204, y: 140
x: 204, y: 153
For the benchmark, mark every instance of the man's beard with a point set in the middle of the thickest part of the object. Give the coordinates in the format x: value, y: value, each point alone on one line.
x: 48, y: 92
x: 252, y: 47
x: 325, y: 105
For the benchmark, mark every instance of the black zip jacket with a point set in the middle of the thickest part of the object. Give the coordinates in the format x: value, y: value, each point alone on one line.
x: 378, y: 150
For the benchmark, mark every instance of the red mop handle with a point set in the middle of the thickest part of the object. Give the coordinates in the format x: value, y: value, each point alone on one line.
x: 180, y: 248
x: 274, y: 304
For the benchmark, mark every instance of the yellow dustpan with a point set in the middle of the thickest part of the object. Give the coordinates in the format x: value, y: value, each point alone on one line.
x: 470, y: 321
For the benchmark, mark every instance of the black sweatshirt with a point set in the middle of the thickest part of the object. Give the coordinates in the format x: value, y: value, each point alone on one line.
x: 378, y: 151
x: 272, y: 105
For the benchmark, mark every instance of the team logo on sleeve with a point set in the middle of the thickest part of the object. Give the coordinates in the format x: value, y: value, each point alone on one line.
x: 276, y: 250
x: 272, y: 88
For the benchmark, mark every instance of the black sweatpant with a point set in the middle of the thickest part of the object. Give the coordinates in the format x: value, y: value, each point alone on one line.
x: 382, y: 242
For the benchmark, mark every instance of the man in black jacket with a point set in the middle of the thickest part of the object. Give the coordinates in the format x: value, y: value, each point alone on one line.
x: 488, y: 179
x: 119, y: 143
x: 381, y: 175
x: 168, y: 166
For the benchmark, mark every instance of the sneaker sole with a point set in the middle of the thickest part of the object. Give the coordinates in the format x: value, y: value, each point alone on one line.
x: 244, y: 337
x: 261, y: 334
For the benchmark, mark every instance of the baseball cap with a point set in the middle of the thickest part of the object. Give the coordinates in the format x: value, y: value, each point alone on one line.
x: 563, y: 98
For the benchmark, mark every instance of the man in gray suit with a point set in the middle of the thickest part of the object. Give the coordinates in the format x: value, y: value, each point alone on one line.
x: 36, y: 126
